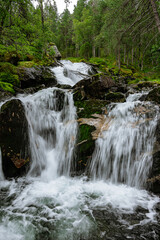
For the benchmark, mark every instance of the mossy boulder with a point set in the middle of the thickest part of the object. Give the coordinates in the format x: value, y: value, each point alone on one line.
x: 5, y: 87
x: 94, y: 87
x: 154, y: 95
x: 86, y: 108
x: 115, y: 97
x: 14, y: 139
x: 85, y: 140
x: 36, y: 76
x: 85, y: 146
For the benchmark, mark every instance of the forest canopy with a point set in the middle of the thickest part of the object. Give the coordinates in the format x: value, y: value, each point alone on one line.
x: 127, y: 31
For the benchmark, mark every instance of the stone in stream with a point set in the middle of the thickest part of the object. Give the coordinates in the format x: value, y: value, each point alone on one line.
x: 14, y: 139
x: 154, y: 180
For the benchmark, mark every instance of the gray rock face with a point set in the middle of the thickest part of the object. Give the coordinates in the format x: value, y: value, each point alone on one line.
x: 57, y: 53
x: 33, y: 77
x: 14, y: 139
x: 155, y: 172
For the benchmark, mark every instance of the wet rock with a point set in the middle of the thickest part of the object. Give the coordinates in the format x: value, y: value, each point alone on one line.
x: 5, y: 95
x: 14, y: 139
x: 59, y: 97
x: 36, y: 76
x: 154, y: 95
x: 85, y: 146
x: 115, y: 97
x: 94, y: 87
x: 90, y: 117
x: 154, y: 178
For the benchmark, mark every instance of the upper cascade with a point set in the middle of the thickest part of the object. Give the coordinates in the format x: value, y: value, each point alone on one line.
x: 71, y: 73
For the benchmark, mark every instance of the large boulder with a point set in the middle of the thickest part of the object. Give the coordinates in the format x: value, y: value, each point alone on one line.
x: 100, y: 86
x: 53, y: 51
x: 154, y: 95
x: 90, y: 115
x: 36, y: 76
x: 14, y: 139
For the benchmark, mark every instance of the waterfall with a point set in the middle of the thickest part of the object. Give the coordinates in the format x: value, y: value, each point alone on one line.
x: 123, y: 152
x: 52, y: 128
x: 50, y: 204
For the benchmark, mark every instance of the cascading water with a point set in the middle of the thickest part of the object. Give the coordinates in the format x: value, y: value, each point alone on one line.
x: 123, y: 153
x: 48, y: 204
x: 52, y: 125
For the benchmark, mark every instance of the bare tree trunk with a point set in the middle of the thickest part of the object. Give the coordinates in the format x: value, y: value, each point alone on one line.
x: 127, y: 58
x: 156, y: 15
x: 132, y: 55
x: 119, y: 57
x: 124, y: 53
x: 42, y: 13
x: 93, y: 51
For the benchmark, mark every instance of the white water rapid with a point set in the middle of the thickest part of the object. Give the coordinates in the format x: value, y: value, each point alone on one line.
x: 49, y: 204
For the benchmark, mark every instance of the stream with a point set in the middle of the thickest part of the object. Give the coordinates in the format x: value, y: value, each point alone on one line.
x: 112, y: 203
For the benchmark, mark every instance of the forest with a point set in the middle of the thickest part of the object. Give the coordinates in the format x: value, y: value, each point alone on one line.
x: 122, y: 30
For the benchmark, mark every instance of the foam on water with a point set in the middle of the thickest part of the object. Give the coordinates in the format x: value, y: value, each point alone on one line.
x: 69, y: 203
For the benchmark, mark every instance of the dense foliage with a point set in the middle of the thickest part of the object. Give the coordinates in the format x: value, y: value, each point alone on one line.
x: 123, y: 30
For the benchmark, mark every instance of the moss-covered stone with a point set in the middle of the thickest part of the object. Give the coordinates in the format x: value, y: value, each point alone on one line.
x: 125, y: 71
x: 9, y: 78
x: 85, y: 146
x: 86, y: 108
x: 6, y: 87
x: 115, y: 97
x: 154, y: 95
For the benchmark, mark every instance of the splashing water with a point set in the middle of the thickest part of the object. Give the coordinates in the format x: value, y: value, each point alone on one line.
x: 48, y: 204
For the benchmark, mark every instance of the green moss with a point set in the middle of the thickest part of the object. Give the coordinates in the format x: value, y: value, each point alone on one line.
x: 9, y: 78
x: 125, y: 71
x: 8, y: 68
x: 86, y: 108
x: 133, y: 81
x: 85, y: 145
x: 27, y: 64
x: 7, y: 87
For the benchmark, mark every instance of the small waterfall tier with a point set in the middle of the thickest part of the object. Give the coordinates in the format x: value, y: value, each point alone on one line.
x: 71, y: 73
x: 123, y: 152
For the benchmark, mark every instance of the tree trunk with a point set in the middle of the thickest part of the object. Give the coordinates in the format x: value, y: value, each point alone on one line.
x: 93, y: 51
x: 132, y: 55
x: 124, y: 53
x: 42, y: 13
x: 156, y: 15
x: 119, y: 57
